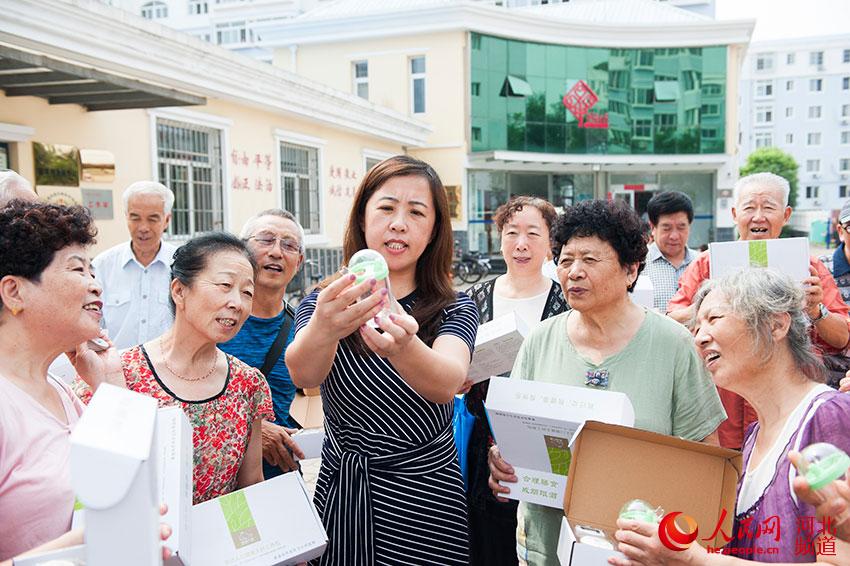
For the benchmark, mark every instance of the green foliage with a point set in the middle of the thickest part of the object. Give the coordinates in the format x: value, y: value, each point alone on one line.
x: 774, y: 160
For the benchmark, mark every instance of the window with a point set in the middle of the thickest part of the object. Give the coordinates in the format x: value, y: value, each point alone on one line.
x: 815, y: 85
x: 789, y: 111
x: 846, y: 56
x: 812, y: 165
x: 197, y: 7
x: 644, y: 96
x: 476, y: 133
x: 816, y: 58
x: 708, y: 133
x: 361, y: 79
x: 712, y: 89
x: 710, y: 110
x: 842, y: 191
x: 844, y: 164
x: 845, y: 137
x: 642, y: 128
x: 476, y: 89
x: 417, y: 84
x: 789, y: 85
x: 189, y: 161
x: 154, y: 10
x: 813, y: 138
x: 845, y: 83
x: 764, y: 62
x: 790, y: 59
x: 812, y: 191
x: 764, y: 139
x: 476, y: 42
x: 232, y: 32
x: 814, y: 112
x: 764, y: 88
x: 789, y: 138
x: 665, y: 120
x: 299, y: 183
x: 764, y: 115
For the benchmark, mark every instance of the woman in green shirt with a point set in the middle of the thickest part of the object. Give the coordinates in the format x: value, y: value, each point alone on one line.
x: 608, y: 342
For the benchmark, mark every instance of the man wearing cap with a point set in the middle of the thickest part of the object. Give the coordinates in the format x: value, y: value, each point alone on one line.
x: 838, y: 262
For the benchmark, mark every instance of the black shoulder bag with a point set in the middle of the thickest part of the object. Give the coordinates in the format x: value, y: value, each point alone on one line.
x: 276, y: 348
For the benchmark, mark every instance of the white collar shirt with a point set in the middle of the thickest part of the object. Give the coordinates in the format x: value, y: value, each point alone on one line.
x: 135, y: 297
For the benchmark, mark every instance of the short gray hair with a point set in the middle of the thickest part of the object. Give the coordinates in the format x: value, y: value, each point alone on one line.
x: 771, y: 180
x: 10, y: 183
x: 756, y: 296
x: 251, y: 224
x: 149, y: 188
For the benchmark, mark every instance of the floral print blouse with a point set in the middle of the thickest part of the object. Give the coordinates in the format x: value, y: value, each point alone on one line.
x: 221, y: 425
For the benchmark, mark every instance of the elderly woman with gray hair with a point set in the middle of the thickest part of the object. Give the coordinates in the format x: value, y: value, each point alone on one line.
x: 752, y: 333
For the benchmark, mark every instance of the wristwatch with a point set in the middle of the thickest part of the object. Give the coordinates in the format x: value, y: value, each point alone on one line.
x: 824, y: 312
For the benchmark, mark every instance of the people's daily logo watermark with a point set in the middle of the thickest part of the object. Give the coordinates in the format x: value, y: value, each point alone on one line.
x: 673, y: 536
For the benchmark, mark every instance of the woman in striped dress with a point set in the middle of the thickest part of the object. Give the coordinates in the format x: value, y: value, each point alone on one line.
x: 389, y: 489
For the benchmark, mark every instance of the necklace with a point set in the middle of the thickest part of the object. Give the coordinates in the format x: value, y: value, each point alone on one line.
x: 165, y: 359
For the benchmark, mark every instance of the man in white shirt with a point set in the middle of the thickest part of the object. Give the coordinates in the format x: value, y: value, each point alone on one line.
x: 136, y: 275
x: 13, y: 186
x: 670, y: 216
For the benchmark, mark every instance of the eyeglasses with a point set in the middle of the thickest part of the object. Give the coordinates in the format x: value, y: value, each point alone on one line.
x: 287, y: 245
x: 845, y: 227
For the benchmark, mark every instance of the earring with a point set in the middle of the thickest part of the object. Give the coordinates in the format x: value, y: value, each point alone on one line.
x: 15, y: 310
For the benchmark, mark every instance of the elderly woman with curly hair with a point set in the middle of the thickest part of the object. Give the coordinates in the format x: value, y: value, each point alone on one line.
x: 608, y: 342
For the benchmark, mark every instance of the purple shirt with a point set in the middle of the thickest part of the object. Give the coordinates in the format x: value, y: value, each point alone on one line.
x: 796, y: 527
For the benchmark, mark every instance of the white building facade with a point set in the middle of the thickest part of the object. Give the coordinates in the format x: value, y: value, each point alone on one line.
x: 795, y: 95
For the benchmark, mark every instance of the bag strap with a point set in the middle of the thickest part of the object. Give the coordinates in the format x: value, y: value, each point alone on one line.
x: 276, y: 348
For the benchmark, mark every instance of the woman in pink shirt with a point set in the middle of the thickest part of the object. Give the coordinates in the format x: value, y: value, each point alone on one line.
x: 49, y: 303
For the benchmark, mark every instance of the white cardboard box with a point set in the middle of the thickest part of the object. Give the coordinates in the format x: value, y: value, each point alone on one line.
x: 247, y: 527
x: 175, y: 461
x: 614, y: 464
x: 786, y: 255
x: 496, y: 347
x: 644, y: 292
x: 310, y: 441
x: 113, y: 472
x: 533, y: 423
x: 71, y: 556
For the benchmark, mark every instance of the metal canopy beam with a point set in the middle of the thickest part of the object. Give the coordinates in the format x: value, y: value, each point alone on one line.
x: 23, y: 73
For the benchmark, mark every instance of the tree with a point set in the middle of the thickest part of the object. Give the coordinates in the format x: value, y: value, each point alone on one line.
x: 774, y: 160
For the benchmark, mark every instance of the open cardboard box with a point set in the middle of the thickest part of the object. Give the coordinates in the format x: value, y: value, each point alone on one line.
x: 245, y: 527
x: 307, y: 411
x: 496, y: 347
x: 114, y: 475
x: 614, y: 464
x: 533, y: 422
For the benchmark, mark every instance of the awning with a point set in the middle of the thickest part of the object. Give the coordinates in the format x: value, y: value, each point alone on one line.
x: 666, y: 91
x: 23, y: 73
x: 514, y: 86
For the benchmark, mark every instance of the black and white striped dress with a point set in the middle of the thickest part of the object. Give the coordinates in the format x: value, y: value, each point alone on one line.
x: 389, y: 488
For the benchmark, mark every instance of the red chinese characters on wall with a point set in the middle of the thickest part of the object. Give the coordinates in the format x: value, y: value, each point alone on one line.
x: 251, y: 172
x: 344, y: 182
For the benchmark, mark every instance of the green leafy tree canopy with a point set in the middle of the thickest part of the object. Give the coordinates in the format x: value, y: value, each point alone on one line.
x: 774, y: 160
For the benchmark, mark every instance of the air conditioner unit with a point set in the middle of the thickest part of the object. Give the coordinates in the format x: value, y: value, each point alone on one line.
x: 815, y: 176
x: 816, y: 203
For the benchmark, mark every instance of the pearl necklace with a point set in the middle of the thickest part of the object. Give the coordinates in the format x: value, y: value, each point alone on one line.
x: 165, y: 359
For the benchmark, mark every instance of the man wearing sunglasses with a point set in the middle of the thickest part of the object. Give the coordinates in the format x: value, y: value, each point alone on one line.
x: 276, y: 240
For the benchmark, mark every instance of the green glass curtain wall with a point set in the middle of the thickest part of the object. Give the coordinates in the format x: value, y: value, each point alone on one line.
x: 657, y: 101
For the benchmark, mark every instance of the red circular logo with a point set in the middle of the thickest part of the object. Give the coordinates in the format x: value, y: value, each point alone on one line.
x: 672, y: 536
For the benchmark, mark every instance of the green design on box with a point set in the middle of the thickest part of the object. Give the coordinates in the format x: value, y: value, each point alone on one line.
x: 758, y: 253
x: 559, y: 454
x: 239, y: 519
